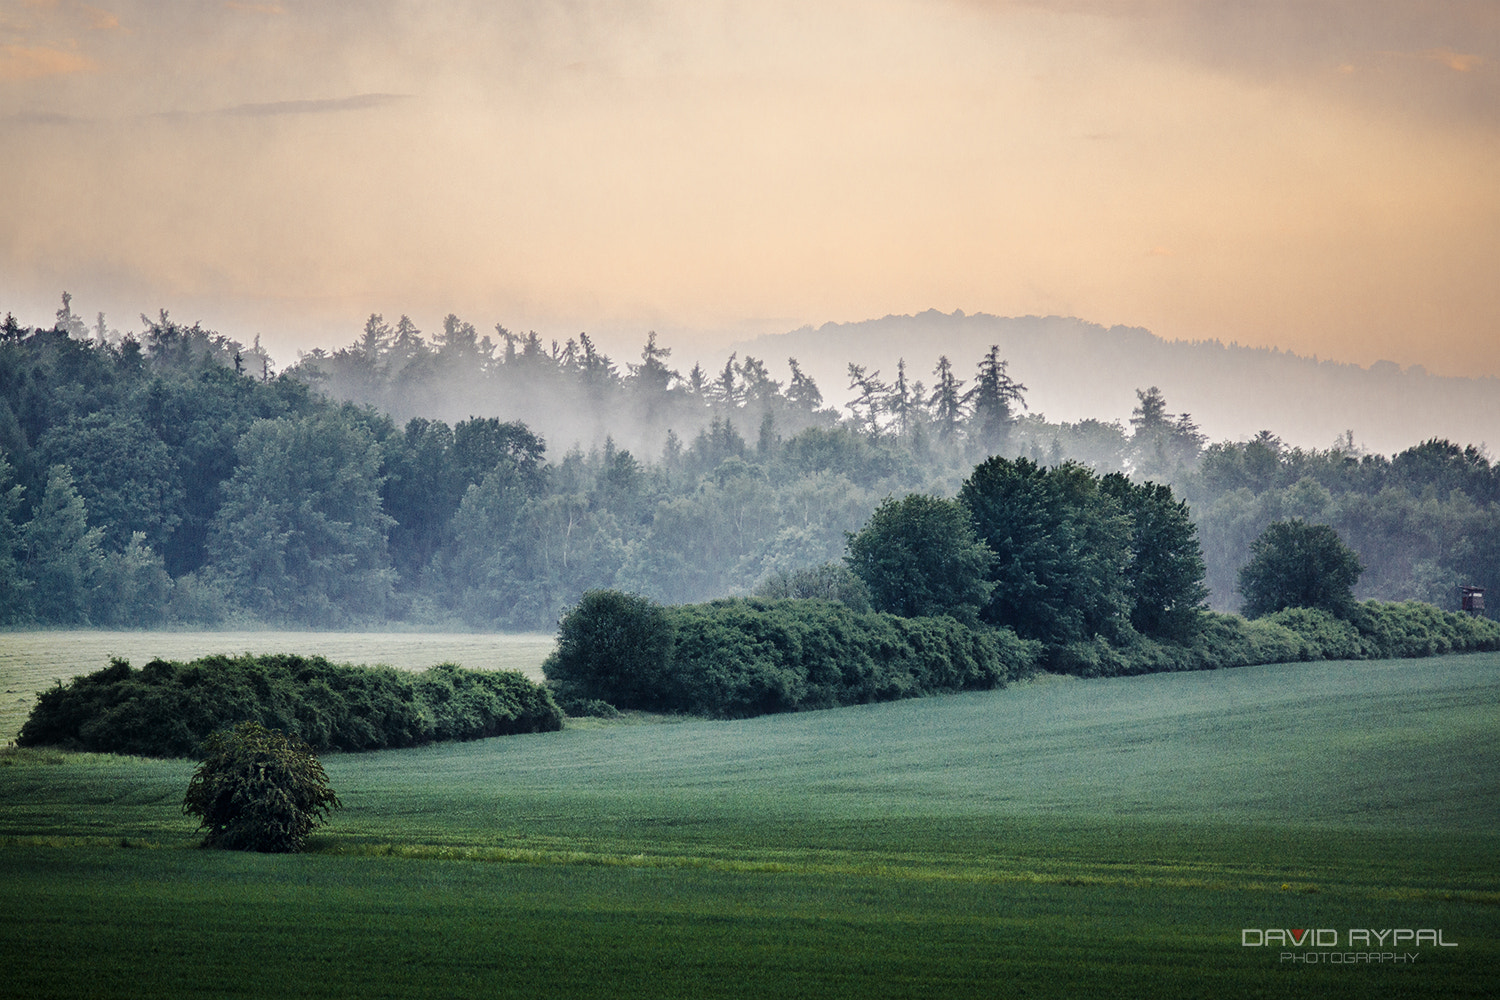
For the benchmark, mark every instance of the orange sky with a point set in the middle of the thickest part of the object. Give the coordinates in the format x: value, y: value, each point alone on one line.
x: 1318, y: 175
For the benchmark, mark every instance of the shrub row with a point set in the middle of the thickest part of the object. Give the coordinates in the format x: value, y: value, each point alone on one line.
x: 1371, y: 630
x: 167, y: 709
x: 1414, y: 628
x: 746, y: 656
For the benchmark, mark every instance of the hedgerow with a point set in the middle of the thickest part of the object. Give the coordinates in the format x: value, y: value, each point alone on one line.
x: 1372, y: 630
x: 168, y: 709
x: 1414, y: 628
x: 745, y: 656
x: 742, y: 657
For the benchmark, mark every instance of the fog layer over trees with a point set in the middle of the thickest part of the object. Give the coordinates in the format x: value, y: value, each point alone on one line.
x: 490, y: 480
x: 1078, y: 370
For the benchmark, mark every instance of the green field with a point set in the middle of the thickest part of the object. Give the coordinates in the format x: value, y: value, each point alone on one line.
x: 1059, y: 838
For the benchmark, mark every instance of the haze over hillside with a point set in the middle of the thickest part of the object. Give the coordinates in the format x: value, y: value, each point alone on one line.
x: 1074, y: 370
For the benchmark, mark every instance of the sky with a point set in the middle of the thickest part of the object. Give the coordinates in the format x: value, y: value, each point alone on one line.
x: 1321, y: 176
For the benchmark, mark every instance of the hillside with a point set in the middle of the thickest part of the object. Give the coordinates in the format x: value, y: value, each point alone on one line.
x: 1075, y: 370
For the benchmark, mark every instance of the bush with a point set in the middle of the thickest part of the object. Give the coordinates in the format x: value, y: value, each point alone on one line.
x: 613, y: 646
x: 168, y: 709
x: 1324, y: 636
x: 1137, y: 654
x: 585, y: 708
x: 1372, y: 630
x: 258, y: 789
x: 1414, y: 628
x: 473, y: 704
x: 744, y: 657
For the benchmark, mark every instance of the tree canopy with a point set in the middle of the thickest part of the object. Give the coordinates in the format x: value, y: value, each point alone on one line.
x: 919, y: 556
x: 1166, y: 570
x: 1294, y: 564
x: 301, y: 532
x: 191, y: 500
x: 614, y: 645
x: 1062, y: 549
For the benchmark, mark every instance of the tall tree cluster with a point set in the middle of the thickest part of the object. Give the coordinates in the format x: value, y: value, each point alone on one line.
x: 1061, y: 556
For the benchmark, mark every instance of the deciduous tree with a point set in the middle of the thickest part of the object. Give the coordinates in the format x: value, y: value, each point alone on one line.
x: 617, y: 647
x: 1166, y: 569
x: 1062, y: 549
x: 1294, y: 564
x: 919, y: 557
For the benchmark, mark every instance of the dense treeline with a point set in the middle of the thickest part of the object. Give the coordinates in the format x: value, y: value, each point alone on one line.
x: 174, y: 477
x: 1106, y: 577
x: 168, y: 709
x: 1423, y: 522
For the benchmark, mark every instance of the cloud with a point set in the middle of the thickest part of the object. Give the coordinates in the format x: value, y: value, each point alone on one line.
x: 102, y: 20
x: 18, y: 62
x: 1459, y: 62
x: 291, y: 108
x: 42, y: 118
x: 1434, y: 59
x: 358, y: 102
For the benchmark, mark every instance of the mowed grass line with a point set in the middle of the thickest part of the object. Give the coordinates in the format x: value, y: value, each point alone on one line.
x: 1061, y: 838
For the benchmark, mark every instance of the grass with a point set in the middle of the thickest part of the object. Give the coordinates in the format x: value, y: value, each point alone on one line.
x: 179, y: 923
x: 1059, y: 838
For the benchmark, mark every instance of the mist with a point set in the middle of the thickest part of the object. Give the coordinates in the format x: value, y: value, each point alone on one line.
x: 1075, y: 370
x: 1072, y: 370
x: 1316, y: 178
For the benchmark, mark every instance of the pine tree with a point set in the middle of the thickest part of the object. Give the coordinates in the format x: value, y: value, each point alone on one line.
x: 946, y: 401
x: 63, y: 554
x: 873, y: 395
x: 15, y: 588
x: 991, y: 401
x: 803, y: 391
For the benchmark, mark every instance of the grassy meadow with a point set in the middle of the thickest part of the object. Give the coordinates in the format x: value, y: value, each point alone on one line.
x: 1057, y: 838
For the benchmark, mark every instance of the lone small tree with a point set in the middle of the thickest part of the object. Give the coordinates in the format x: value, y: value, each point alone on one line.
x: 258, y: 789
x: 1294, y: 564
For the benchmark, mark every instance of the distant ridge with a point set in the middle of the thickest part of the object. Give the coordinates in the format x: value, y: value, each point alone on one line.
x: 1074, y: 369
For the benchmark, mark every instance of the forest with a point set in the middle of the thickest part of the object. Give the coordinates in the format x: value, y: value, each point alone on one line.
x: 175, y: 477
